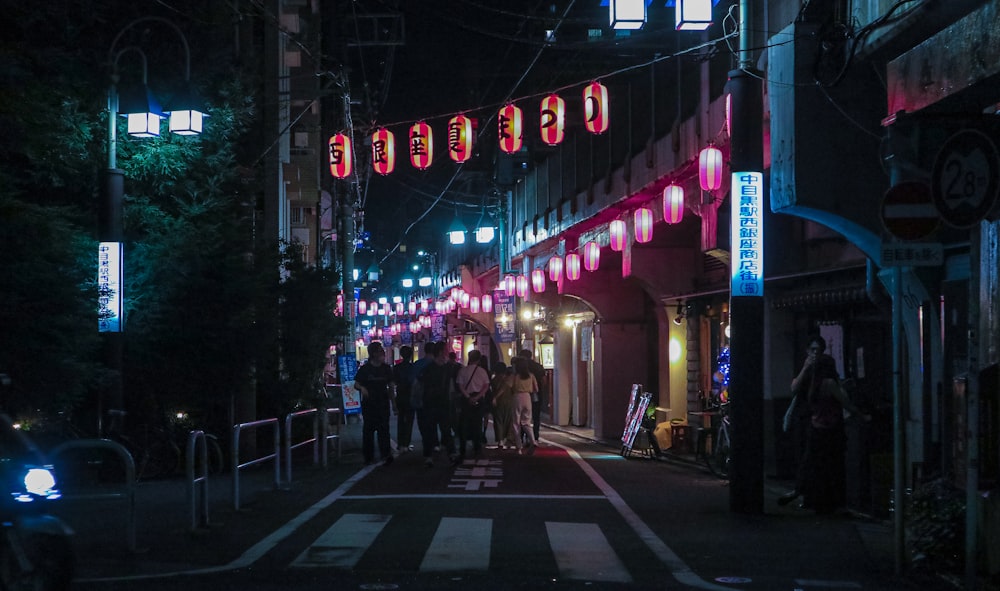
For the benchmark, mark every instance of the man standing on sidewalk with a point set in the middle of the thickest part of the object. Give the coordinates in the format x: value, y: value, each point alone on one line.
x: 473, y: 382
x: 374, y: 381
x: 539, y: 398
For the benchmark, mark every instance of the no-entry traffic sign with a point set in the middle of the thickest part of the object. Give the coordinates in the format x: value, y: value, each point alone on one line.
x: 908, y: 211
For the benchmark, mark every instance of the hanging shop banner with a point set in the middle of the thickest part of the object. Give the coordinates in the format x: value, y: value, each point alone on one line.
x: 347, y: 367
x: 747, y: 234
x: 503, y: 316
x: 438, y: 332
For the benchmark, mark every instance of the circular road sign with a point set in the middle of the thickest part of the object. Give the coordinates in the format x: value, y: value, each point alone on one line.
x: 908, y: 211
x: 964, y: 179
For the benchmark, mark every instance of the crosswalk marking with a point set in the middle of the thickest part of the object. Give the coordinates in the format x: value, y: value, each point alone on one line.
x: 459, y: 544
x: 343, y: 544
x: 583, y: 553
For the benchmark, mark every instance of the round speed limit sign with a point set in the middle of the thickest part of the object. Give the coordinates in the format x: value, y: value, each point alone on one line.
x: 964, y: 180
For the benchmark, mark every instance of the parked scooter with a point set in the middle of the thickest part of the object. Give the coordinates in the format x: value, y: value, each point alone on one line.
x: 35, y: 547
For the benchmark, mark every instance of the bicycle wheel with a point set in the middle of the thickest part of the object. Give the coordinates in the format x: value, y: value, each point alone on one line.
x: 718, y: 460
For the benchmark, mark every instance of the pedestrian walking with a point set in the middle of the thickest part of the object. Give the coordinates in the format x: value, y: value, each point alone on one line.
x: 539, y: 399
x: 524, y: 384
x: 434, y: 414
x: 503, y: 406
x: 473, y: 383
x: 374, y: 380
x: 403, y: 375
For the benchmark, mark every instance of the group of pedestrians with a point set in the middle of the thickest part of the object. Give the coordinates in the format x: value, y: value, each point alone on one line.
x: 451, y: 404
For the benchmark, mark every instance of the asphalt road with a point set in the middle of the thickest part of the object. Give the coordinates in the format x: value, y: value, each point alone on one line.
x: 575, y: 515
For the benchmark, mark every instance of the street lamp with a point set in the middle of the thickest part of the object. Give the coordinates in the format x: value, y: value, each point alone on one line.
x: 143, y: 114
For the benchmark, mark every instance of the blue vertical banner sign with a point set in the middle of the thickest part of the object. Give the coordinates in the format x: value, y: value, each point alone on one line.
x: 747, y: 234
x: 110, y: 270
x: 503, y: 316
x: 347, y: 367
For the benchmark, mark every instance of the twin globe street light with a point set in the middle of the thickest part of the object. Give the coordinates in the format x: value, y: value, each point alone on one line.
x: 143, y: 113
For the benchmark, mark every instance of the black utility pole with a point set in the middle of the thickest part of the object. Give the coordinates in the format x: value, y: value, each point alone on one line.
x: 746, y: 377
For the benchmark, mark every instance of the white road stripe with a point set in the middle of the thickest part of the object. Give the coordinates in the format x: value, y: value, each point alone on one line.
x: 343, y: 544
x: 459, y: 544
x: 583, y: 553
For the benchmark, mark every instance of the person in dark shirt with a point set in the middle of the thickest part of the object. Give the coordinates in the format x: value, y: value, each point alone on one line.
x: 402, y: 375
x: 435, y: 414
x: 374, y: 382
x: 538, y: 398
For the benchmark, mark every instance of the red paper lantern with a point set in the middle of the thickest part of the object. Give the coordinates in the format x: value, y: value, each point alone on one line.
x: 538, y: 280
x: 466, y: 299
x: 424, y: 306
x: 399, y: 308
x: 421, y: 145
x: 572, y: 266
x: 412, y: 307
x: 595, y: 105
x: 460, y: 138
x: 383, y: 151
x: 591, y: 256
x: 474, y: 305
x: 510, y: 130
x: 555, y: 268
x: 643, y: 225
x: 487, y: 303
x: 362, y: 306
x: 553, y: 120
x: 673, y: 204
x: 522, y: 286
x: 341, y: 156
x: 710, y: 168
x: 617, y: 230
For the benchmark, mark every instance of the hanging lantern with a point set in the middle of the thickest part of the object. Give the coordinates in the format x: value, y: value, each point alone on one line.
x: 460, y: 138
x: 509, y: 285
x: 572, y: 266
x: 466, y: 299
x: 591, y: 256
x: 362, y: 306
x: 617, y: 230
x: 710, y: 168
x: 372, y: 310
x: 424, y: 306
x: 341, y: 156
x: 399, y: 308
x: 555, y: 269
x: 383, y: 151
x: 474, y: 305
x: 510, y: 128
x: 487, y: 303
x: 643, y: 225
x: 425, y: 321
x: 522, y: 286
x: 538, y: 280
x: 553, y: 120
x: 421, y: 145
x: 673, y: 204
x: 693, y: 15
x: 595, y: 103
x: 412, y: 307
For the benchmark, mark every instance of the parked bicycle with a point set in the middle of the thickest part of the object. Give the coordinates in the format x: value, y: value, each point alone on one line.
x: 720, y: 456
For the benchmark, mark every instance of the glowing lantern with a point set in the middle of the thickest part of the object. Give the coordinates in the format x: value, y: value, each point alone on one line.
x: 693, y: 15
x: 553, y: 120
x: 424, y: 306
x: 425, y: 321
x: 487, y: 303
x: 572, y: 266
x: 538, y: 281
x: 509, y: 285
x: 643, y: 225
x: 591, y: 256
x: 510, y: 128
x: 383, y: 151
x: 595, y: 103
x: 710, y: 168
x: 555, y: 269
x: 412, y: 307
x: 466, y: 299
x: 460, y: 138
x: 399, y: 308
x: 522, y: 286
x: 617, y: 230
x: 362, y: 306
x: 474, y: 305
x: 421, y: 145
x: 341, y: 156
x: 673, y: 204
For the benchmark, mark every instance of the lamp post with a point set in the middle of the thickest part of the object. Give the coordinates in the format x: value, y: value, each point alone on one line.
x: 144, y: 114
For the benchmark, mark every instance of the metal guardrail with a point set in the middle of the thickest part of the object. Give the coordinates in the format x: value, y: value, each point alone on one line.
x: 237, y: 466
x: 127, y: 493
x: 289, y: 446
x: 199, y: 482
x: 331, y: 437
